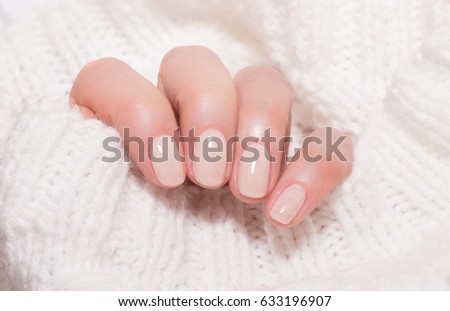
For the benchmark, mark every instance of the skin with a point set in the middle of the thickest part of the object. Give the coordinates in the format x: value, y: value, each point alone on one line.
x: 196, y: 91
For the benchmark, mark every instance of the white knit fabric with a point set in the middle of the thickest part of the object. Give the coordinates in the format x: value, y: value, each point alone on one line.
x: 377, y: 69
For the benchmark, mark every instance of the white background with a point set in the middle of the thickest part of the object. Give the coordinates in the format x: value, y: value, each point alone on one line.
x: 12, y: 9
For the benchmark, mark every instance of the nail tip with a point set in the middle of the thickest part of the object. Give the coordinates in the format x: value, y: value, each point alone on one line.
x: 251, y: 195
x: 207, y: 184
x: 279, y: 220
x: 173, y: 184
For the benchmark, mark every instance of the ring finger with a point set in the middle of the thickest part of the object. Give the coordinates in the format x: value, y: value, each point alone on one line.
x: 264, y: 115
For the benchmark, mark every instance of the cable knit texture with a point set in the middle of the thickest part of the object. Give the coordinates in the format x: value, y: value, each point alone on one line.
x: 379, y: 70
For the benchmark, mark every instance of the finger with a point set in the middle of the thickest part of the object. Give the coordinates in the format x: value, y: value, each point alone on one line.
x: 264, y: 114
x: 120, y: 96
x: 324, y: 161
x: 202, y: 91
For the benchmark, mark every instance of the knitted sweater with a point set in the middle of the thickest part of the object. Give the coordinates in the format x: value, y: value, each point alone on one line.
x: 379, y: 70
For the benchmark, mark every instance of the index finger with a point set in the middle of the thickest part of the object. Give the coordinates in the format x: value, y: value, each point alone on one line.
x: 143, y: 116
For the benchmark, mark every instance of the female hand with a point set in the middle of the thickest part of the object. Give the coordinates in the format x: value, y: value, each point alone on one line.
x: 197, y: 96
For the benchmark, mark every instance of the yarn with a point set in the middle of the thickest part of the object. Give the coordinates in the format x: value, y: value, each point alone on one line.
x: 378, y: 70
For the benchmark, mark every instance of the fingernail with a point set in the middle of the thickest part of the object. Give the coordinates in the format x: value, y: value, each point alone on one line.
x: 254, y: 171
x: 210, y: 169
x: 288, y: 204
x: 168, y: 169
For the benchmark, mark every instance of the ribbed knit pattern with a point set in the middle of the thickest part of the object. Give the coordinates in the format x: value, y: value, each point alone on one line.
x: 379, y: 70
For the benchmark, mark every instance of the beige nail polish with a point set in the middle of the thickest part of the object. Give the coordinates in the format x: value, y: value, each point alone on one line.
x: 169, y: 170
x: 288, y: 204
x: 254, y: 171
x: 211, y: 167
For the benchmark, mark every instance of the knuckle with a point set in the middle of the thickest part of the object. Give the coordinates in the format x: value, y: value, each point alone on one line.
x: 258, y: 72
x: 99, y: 65
x: 264, y: 76
x: 90, y: 73
x: 184, y: 52
x: 271, y: 86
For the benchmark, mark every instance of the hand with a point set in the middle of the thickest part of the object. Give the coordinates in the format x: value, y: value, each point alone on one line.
x: 196, y: 95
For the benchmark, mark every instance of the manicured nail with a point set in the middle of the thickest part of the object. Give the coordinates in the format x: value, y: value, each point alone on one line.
x: 254, y: 171
x: 288, y: 204
x: 168, y: 169
x: 211, y: 167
